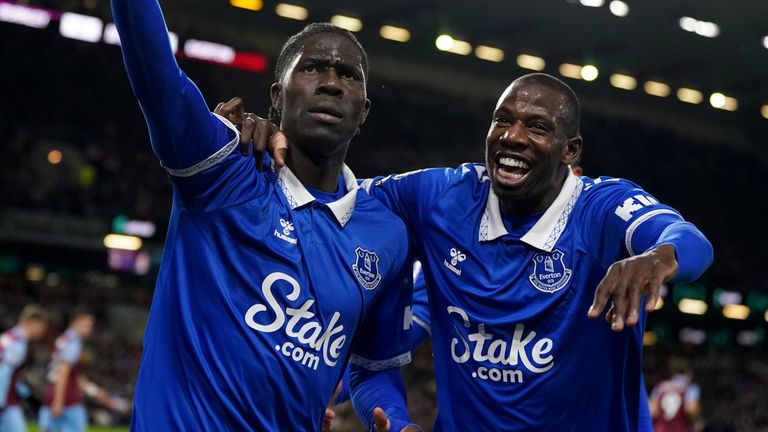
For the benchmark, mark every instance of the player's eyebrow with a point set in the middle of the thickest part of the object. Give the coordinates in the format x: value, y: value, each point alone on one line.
x: 336, y: 63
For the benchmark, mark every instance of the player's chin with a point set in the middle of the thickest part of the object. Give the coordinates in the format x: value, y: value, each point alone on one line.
x: 510, y: 188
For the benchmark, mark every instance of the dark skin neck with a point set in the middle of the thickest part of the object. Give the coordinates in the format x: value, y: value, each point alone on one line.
x: 534, y: 204
x: 321, y: 173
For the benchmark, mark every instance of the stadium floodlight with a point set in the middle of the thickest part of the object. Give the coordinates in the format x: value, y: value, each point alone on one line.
x: 766, y: 315
x: 488, y: 53
x: 723, y: 102
x: 532, y: 62
x: 592, y: 3
x: 748, y: 338
x: 589, y: 73
x: 347, y: 22
x: 35, y: 273
x: 449, y: 44
x: 707, y: 29
x: 122, y: 242
x: 253, y: 5
x: 764, y: 111
x: 111, y: 36
x: 650, y: 338
x: 655, y: 88
x: 24, y: 15
x: 290, y: 11
x: 622, y: 81
x: 765, y: 42
x: 692, y: 306
x: 689, y: 95
x: 81, y: 27
x: 701, y: 28
x: 173, y: 38
x: 397, y: 34
x: 209, y: 51
x: 55, y: 157
x: 736, y: 311
x: 570, y: 70
x: 619, y: 8
x: 694, y: 336
x: 688, y: 24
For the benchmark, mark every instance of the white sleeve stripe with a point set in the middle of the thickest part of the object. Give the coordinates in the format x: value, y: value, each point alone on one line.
x: 423, y: 325
x: 380, y: 365
x: 637, y: 222
x: 212, y: 159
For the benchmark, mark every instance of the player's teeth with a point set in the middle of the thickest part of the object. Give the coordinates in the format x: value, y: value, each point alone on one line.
x: 514, y: 163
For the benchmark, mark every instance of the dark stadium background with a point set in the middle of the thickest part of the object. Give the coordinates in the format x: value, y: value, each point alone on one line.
x: 75, y: 161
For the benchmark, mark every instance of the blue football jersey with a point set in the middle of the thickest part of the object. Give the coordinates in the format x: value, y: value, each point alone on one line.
x: 264, y: 292
x: 260, y: 294
x: 508, y: 300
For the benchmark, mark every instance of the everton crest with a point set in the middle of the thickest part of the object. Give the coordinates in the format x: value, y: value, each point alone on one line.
x: 549, y: 272
x: 366, y: 268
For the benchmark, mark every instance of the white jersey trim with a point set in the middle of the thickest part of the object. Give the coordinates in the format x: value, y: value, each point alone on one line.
x: 637, y: 222
x: 297, y: 195
x: 380, y: 365
x: 547, y: 230
x: 212, y: 159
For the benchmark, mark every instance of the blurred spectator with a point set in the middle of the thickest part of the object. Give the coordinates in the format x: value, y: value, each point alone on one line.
x: 674, y: 402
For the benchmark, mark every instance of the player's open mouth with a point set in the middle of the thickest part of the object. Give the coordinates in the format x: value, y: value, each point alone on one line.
x: 325, y: 114
x: 511, y: 171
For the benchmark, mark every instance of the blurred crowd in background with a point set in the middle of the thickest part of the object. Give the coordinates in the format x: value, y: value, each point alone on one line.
x: 80, y: 104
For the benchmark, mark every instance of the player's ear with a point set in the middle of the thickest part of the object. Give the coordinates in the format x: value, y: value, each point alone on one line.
x: 364, y: 113
x: 276, y: 93
x: 571, y: 150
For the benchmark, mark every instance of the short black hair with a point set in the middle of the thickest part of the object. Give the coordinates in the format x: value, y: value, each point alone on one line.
x: 80, y: 311
x: 572, y: 109
x: 34, y: 312
x: 295, y: 43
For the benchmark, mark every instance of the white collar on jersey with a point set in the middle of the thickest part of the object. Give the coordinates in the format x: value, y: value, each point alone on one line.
x: 547, y: 230
x: 297, y: 195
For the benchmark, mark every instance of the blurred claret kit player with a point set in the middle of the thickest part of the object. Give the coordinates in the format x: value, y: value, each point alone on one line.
x: 14, y: 344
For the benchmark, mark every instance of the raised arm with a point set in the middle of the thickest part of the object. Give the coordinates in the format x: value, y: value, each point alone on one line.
x: 183, y: 131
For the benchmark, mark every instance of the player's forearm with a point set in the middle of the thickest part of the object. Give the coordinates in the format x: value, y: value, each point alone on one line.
x: 180, y: 124
x: 384, y: 389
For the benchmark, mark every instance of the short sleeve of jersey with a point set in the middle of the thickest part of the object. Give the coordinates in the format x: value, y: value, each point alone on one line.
x: 382, y: 339
x: 70, y: 352
x: 410, y: 195
x: 622, y: 216
x: 13, y: 354
x: 225, y: 178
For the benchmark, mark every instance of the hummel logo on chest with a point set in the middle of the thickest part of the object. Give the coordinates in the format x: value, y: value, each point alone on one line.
x: 286, y: 231
x: 457, y: 256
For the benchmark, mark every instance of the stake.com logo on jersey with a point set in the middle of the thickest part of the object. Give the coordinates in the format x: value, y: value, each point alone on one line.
x: 310, y: 340
x: 482, y: 347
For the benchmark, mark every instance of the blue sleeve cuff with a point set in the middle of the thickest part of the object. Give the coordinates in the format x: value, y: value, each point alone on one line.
x: 693, y: 251
x: 384, y: 389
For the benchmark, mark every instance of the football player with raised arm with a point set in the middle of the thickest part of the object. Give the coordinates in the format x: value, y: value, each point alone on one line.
x: 271, y: 279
